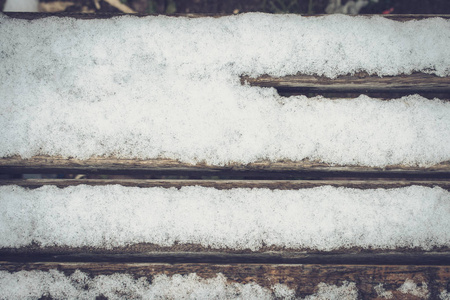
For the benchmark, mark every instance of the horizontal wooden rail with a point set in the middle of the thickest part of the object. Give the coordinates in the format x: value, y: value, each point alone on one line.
x: 107, y: 15
x: 353, y: 85
x: 304, y: 279
x: 230, y: 184
x: 188, y: 253
x: 263, y: 169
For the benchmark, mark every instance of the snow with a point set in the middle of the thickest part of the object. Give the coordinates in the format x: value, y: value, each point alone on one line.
x: 324, y: 218
x: 21, y: 5
x: 410, y: 287
x: 445, y: 295
x: 169, y: 87
x: 35, y: 284
x: 382, y: 293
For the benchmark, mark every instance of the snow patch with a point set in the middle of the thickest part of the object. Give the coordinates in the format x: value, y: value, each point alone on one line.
x: 382, y: 293
x: 445, y: 295
x: 410, y: 287
x: 323, y: 218
x: 169, y: 87
x: 36, y: 284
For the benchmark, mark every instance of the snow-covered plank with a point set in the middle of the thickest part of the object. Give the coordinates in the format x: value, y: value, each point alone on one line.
x: 206, y: 281
x: 261, y: 169
x: 87, y: 92
x: 317, y: 219
x: 230, y: 184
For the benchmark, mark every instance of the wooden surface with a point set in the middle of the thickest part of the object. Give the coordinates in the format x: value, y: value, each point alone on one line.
x: 33, y: 16
x: 194, y: 253
x: 361, y: 83
x: 263, y: 169
x: 304, y: 279
x: 230, y: 184
x: 269, y: 265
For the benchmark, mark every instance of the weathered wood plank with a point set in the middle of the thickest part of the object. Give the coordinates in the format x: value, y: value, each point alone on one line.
x: 304, y: 279
x: 360, y: 83
x: 230, y: 184
x: 148, y: 253
x: 33, y: 16
x: 263, y: 169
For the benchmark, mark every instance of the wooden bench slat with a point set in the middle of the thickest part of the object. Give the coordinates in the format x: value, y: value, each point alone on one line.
x: 304, y: 279
x: 263, y: 169
x: 107, y: 15
x: 360, y: 83
x: 188, y: 253
x: 230, y: 184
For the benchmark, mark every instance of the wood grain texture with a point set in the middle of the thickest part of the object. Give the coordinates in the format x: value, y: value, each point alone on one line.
x: 304, y: 279
x: 33, y: 16
x: 262, y: 169
x: 194, y: 253
x: 230, y: 184
x: 361, y: 83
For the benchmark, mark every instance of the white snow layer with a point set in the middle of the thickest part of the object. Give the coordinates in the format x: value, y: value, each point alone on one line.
x: 323, y: 218
x: 35, y: 284
x: 21, y: 5
x: 169, y: 87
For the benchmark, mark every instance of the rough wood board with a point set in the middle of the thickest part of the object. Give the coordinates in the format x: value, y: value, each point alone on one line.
x: 192, y: 253
x: 267, y: 169
x: 358, y: 83
x: 230, y: 184
x: 303, y: 278
x: 32, y: 16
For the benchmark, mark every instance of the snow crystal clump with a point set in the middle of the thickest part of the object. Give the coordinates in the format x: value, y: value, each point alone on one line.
x: 323, y: 218
x: 169, y: 87
x: 410, y: 287
x: 54, y: 284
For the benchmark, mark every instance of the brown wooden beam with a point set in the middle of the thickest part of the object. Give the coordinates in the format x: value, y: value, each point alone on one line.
x: 40, y: 15
x: 194, y: 253
x: 388, y: 87
x: 261, y: 169
x: 304, y: 279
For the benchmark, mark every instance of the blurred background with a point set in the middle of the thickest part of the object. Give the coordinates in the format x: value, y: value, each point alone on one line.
x: 232, y: 6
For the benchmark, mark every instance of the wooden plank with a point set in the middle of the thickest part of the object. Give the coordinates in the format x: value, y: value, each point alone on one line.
x: 361, y: 83
x: 190, y: 253
x: 263, y: 169
x: 230, y: 184
x: 104, y: 15
x: 304, y: 279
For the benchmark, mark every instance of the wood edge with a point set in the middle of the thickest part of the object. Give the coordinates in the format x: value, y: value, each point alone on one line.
x: 363, y: 82
x: 58, y: 163
x: 229, y: 184
x: 182, y: 248
x: 38, y: 15
x: 378, y: 258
